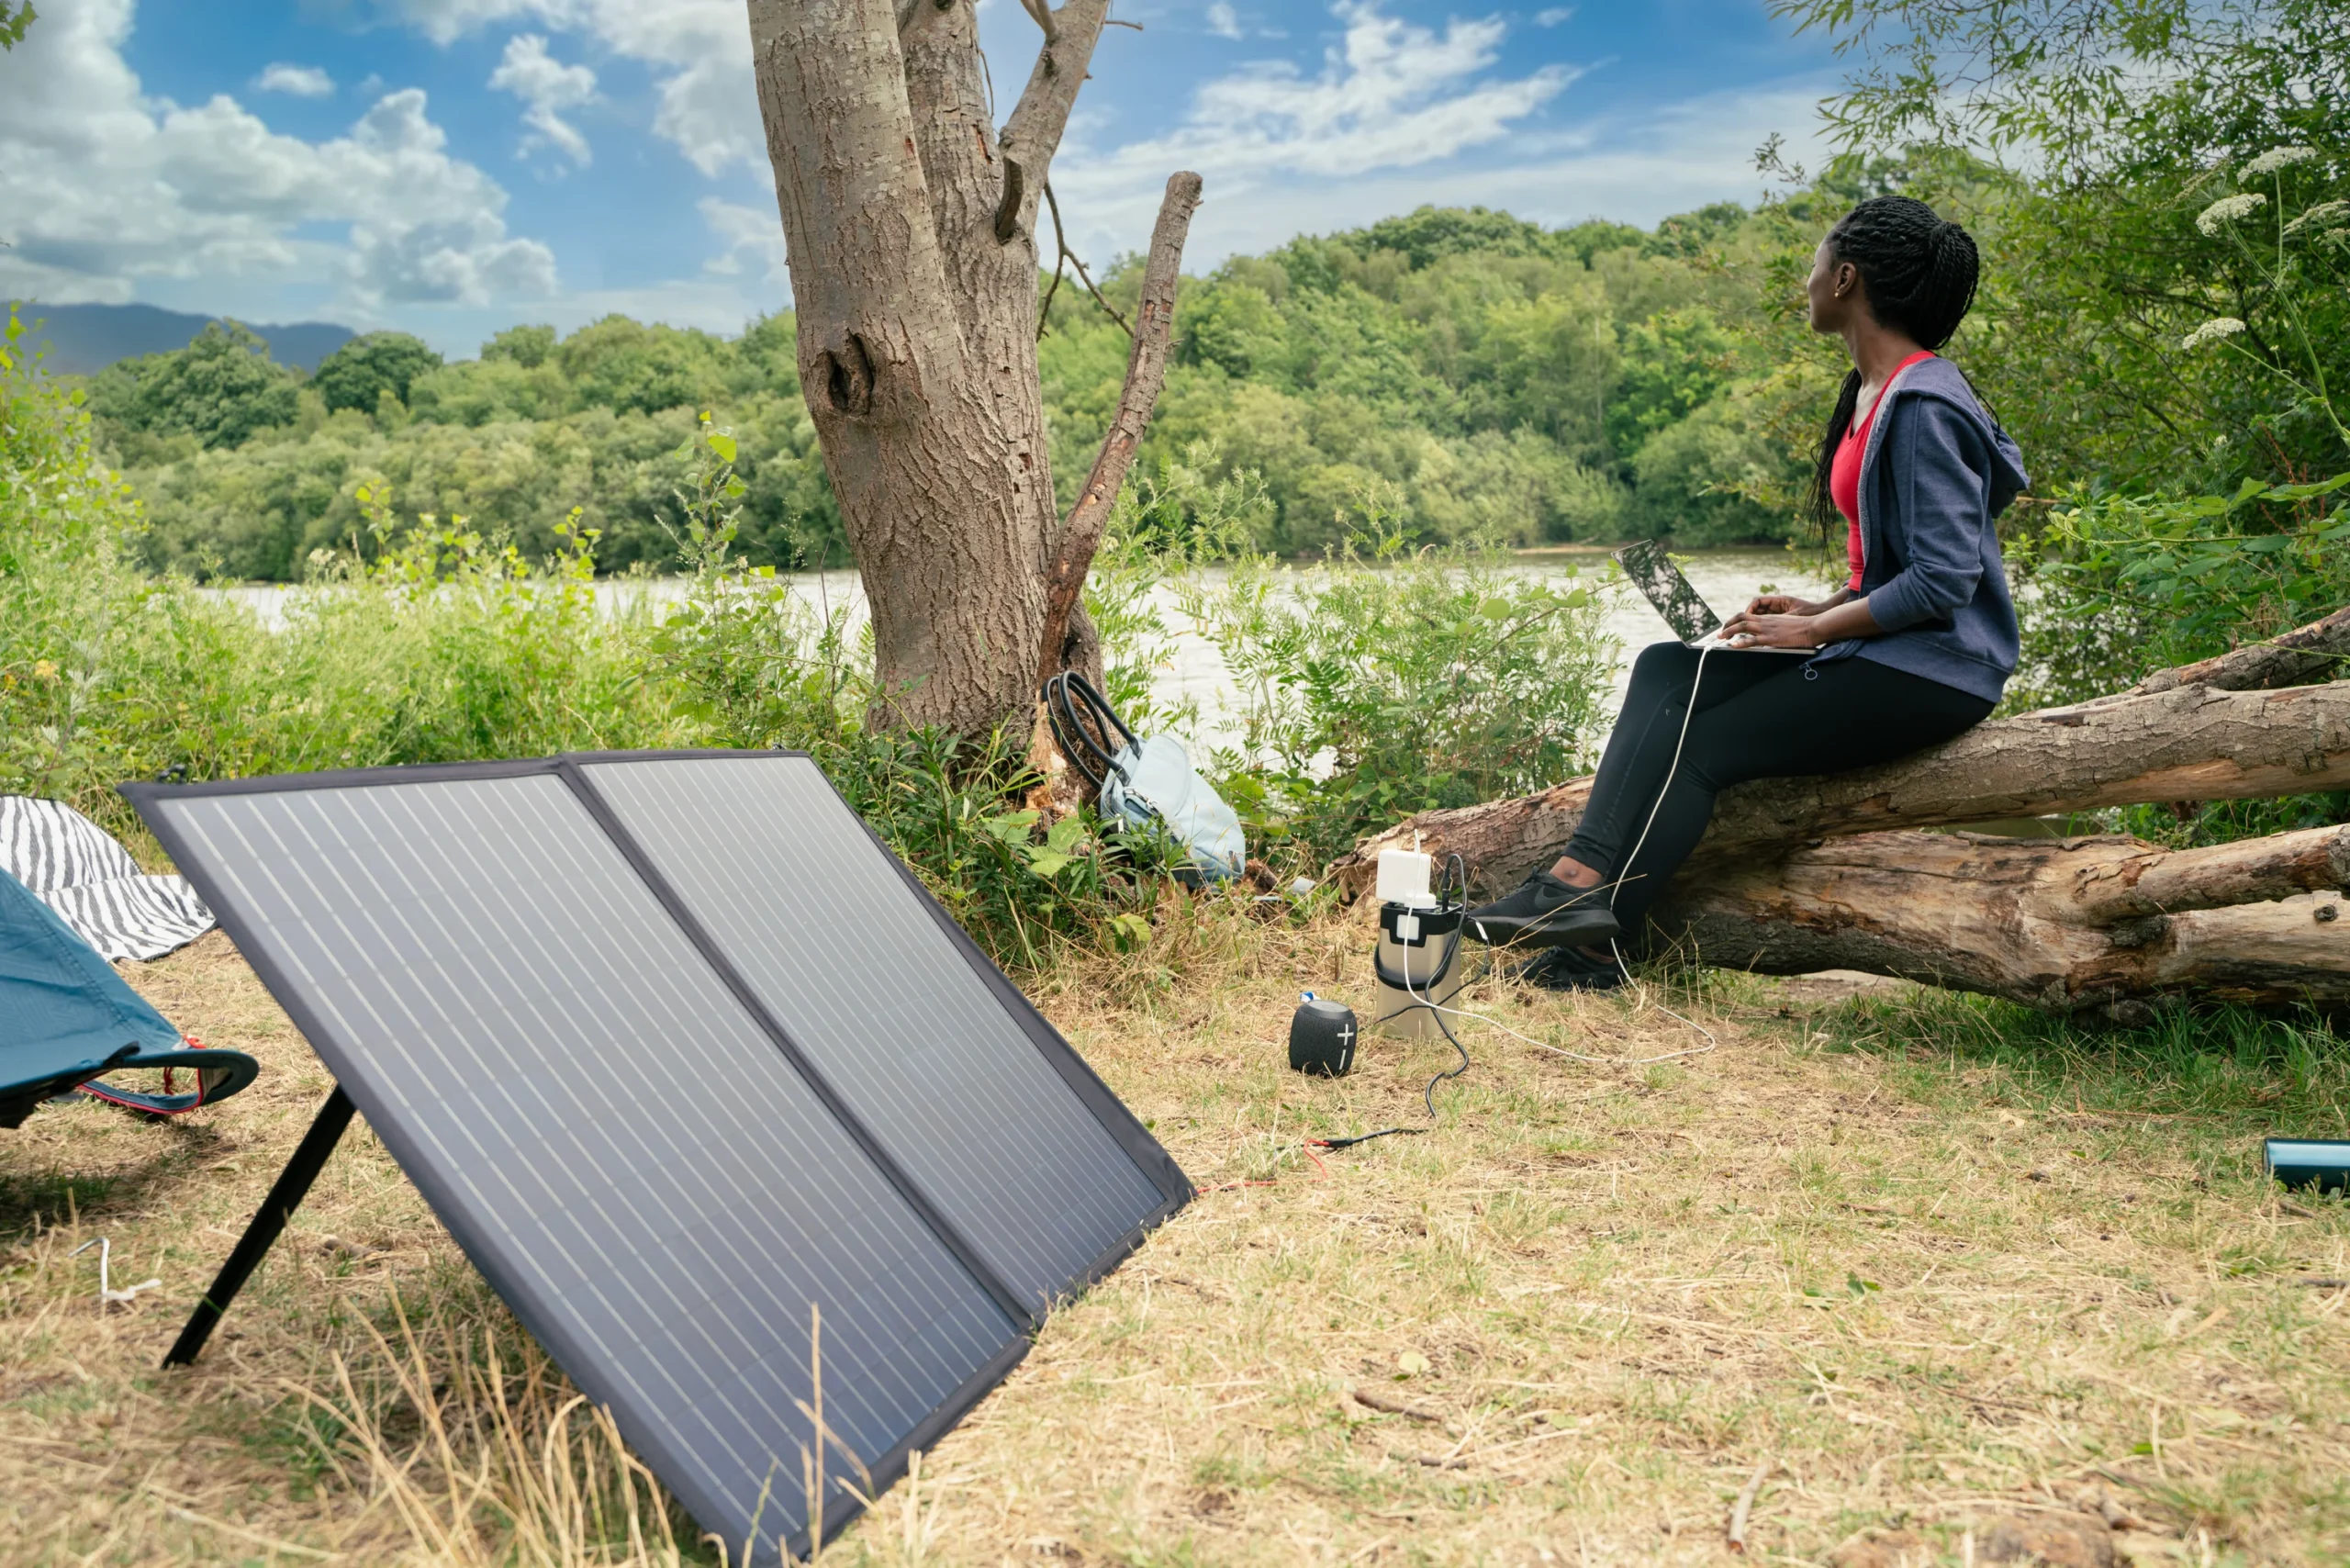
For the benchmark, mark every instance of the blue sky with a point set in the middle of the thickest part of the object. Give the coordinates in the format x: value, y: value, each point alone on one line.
x: 454, y: 166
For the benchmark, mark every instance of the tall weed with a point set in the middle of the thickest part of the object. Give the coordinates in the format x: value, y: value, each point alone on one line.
x: 1390, y: 678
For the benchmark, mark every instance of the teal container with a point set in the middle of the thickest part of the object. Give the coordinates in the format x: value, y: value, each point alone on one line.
x: 2305, y: 1162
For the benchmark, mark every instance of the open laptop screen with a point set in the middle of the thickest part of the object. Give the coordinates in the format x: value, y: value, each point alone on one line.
x: 1652, y: 571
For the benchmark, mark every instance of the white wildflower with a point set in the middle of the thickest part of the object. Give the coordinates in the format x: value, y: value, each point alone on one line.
x: 2324, y: 215
x: 2212, y: 331
x: 2226, y: 209
x: 2278, y: 158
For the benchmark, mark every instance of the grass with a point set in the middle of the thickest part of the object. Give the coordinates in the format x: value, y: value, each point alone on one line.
x: 1929, y: 1262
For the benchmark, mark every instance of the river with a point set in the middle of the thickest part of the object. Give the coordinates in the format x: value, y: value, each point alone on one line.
x: 1726, y: 578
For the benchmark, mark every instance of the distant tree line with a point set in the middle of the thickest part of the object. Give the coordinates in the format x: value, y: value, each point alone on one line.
x: 1507, y: 381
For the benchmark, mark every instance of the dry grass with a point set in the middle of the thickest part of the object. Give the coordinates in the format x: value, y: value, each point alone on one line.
x: 1923, y: 1287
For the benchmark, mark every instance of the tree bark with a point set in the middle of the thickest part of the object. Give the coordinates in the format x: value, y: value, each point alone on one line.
x: 2319, y: 651
x: 909, y: 228
x: 2190, y: 742
x: 2099, y: 924
x: 1146, y: 374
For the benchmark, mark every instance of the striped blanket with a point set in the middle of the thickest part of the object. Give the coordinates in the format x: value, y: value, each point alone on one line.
x: 91, y: 882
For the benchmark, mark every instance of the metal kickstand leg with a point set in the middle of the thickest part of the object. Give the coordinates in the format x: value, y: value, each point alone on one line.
x: 293, y: 1185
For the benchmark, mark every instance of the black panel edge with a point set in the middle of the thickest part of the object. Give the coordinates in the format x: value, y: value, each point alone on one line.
x: 574, y: 1357
x: 1150, y: 1156
x: 573, y: 771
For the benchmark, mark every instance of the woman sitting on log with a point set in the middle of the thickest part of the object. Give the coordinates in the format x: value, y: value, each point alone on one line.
x: 1915, y: 648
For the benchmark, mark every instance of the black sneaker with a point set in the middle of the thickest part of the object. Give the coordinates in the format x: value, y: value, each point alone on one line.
x: 1543, y: 912
x: 1569, y: 969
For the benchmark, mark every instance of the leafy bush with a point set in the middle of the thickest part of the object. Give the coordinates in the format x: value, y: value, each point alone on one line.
x: 369, y: 368
x: 219, y: 389
x: 1390, y: 678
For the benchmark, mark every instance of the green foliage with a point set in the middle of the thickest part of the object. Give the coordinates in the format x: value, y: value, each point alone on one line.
x: 14, y: 20
x: 364, y: 371
x: 1388, y: 679
x: 2132, y: 583
x: 218, y: 390
x: 428, y: 640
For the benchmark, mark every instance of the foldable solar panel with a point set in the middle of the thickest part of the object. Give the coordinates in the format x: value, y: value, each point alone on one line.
x: 682, y: 1055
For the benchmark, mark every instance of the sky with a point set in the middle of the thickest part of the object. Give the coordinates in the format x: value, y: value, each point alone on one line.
x: 452, y: 167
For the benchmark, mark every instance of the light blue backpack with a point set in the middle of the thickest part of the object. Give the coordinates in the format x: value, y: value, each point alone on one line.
x: 1146, y: 782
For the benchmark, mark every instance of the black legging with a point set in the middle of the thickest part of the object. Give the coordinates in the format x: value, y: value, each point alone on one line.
x: 1759, y: 716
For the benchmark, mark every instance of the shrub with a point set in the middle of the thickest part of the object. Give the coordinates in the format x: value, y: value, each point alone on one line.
x: 1391, y: 678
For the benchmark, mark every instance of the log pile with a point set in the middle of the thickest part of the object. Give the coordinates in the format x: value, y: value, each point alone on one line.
x: 1798, y: 875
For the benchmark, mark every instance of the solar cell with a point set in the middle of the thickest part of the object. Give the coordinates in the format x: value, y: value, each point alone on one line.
x: 968, y: 1091
x: 607, y: 1128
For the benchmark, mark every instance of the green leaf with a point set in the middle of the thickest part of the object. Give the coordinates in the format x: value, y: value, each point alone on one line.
x: 1047, y: 863
x: 724, y: 445
x: 1012, y: 826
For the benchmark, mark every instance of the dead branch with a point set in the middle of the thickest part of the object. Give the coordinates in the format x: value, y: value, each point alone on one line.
x: 1146, y: 374
x: 1066, y: 258
x: 2312, y: 653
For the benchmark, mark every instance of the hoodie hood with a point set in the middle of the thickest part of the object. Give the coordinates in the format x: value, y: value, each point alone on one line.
x: 1940, y: 379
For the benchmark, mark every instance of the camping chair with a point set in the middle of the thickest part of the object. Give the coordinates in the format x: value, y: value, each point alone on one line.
x: 66, y: 1018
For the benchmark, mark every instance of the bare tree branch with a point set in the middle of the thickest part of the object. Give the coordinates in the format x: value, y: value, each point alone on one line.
x: 1065, y: 258
x: 1033, y: 133
x: 1037, y: 10
x: 1146, y: 374
x: 2314, y: 652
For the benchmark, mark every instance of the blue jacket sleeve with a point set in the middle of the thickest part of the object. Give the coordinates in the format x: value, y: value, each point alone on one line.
x: 1942, y: 481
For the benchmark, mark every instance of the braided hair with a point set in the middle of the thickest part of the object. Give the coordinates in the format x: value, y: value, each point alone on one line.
x: 1921, y: 272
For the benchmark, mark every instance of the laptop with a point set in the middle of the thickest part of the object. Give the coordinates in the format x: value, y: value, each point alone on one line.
x: 1692, y: 620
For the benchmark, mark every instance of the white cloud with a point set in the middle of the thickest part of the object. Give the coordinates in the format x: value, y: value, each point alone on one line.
x: 1634, y: 169
x: 1390, y: 95
x: 301, y: 80
x: 102, y: 187
x: 1222, y: 21
x: 700, y: 52
x: 747, y: 233
x: 1554, y: 16
x: 546, y: 85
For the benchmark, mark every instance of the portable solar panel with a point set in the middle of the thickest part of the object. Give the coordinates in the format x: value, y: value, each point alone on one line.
x: 684, y: 1058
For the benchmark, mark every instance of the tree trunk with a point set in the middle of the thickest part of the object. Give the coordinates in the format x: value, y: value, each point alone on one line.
x: 909, y: 228
x: 2099, y: 923
x: 2188, y: 743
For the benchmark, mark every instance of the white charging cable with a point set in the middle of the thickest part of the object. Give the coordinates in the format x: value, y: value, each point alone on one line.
x: 1672, y: 770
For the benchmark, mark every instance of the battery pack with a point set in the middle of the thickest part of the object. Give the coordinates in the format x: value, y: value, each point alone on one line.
x: 1418, y: 962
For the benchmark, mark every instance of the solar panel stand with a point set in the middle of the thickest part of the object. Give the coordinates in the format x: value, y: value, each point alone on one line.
x: 293, y: 1185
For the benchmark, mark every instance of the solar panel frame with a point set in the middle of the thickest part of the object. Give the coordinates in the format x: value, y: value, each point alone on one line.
x: 585, y: 1368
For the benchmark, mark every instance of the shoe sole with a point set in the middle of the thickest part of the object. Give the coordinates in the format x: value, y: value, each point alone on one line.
x: 1568, y: 927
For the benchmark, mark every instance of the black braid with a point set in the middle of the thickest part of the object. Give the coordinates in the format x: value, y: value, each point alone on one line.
x: 1918, y: 274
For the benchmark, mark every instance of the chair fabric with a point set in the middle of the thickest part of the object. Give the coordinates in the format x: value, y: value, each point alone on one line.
x: 66, y: 1016
x: 76, y: 867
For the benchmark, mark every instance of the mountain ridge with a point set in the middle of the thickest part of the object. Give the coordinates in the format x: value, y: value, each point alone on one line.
x: 82, y: 340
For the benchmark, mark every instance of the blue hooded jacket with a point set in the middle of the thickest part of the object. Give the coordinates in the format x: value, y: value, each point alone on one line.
x: 1935, y: 475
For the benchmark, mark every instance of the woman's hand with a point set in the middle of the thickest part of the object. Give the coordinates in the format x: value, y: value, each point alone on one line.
x: 1783, y: 604
x: 1797, y: 629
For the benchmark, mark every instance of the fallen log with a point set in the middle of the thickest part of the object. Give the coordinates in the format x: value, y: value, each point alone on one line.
x: 2188, y: 743
x: 1799, y: 874
x: 2104, y: 923
x: 2319, y: 651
